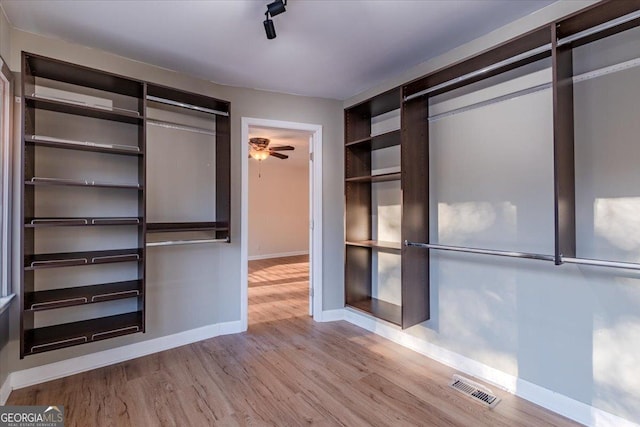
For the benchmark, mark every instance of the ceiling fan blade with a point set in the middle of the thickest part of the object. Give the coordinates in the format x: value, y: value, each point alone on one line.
x: 282, y: 148
x: 280, y: 156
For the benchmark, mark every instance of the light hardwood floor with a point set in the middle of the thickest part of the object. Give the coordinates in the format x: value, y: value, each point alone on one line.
x: 285, y: 371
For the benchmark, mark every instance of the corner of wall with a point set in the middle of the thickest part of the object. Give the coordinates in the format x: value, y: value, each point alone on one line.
x: 5, y: 36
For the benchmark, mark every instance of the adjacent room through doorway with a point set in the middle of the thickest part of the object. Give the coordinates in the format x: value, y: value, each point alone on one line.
x: 278, y: 223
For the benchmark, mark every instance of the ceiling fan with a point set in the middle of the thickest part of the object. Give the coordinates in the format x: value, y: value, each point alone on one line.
x: 259, y: 149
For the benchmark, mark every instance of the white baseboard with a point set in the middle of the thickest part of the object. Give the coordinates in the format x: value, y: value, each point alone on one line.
x: 5, y: 391
x: 64, y: 368
x: 280, y: 255
x: 331, y: 315
x: 556, y: 402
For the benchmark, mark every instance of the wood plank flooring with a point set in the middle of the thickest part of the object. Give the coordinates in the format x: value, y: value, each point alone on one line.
x: 285, y: 371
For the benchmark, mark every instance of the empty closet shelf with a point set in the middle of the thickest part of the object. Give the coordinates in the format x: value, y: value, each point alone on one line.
x: 79, y: 183
x: 46, y: 68
x: 68, y: 259
x: 67, y: 144
x: 79, y: 109
x: 80, y: 221
x: 67, y: 297
x: 378, y: 244
x: 384, y: 310
x: 395, y: 176
x: 186, y: 242
x: 69, y: 334
x: 165, y: 227
x: 376, y: 142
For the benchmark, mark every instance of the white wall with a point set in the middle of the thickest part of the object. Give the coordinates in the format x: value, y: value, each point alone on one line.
x: 204, y: 287
x: 573, y: 330
x: 278, y: 208
x: 5, y: 36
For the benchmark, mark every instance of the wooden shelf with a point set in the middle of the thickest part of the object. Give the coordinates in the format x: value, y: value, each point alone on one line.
x: 68, y: 297
x: 53, y: 69
x: 380, y: 104
x: 376, y: 178
x: 72, y: 183
x: 69, y: 334
x: 31, y: 140
x: 377, y: 142
x: 166, y: 227
x: 190, y: 98
x: 83, y: 110
x: 377, y: 244
x: 46, y: 222
x: 69, y: 259
x: 392, y: 313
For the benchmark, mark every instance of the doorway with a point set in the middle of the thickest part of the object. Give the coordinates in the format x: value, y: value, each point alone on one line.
x: 266, y: 241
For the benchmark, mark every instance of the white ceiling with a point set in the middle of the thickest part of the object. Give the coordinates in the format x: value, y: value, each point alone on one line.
x: 296, y: 138
x: 330, y: 49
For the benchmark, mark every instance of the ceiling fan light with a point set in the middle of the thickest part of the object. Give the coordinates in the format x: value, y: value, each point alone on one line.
x: 259, y: 155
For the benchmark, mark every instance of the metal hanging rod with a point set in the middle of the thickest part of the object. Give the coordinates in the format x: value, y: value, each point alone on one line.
x: 186, y: 242
x: 576, y: 79
x: 509, y: 254
x: 86, y: 143
x: 632, y: 63
x: 598, y: 28
x: 476, y: 73
x: 185, y: 105
x: 177, y: 126
x: 491, y: 101
x: 601, y: 263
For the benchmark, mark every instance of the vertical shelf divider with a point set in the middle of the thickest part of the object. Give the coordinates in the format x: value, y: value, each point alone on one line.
x: 563, y: 150
x: 415, y: 211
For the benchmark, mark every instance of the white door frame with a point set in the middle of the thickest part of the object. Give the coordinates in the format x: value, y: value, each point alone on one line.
x: 315, y: 179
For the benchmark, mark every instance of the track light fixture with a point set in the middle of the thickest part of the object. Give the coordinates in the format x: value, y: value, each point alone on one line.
x: 269, y: 28
x: 273, y: 9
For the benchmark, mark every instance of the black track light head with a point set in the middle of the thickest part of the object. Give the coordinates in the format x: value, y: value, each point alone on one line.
x: 276, y: 8
x: 269, y: 28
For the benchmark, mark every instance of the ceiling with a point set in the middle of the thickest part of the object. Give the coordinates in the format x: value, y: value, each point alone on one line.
x: 277, y: 136
x: 330, y: 49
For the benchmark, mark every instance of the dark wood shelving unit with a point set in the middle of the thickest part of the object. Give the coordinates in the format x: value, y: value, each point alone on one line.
x: 80, y: 295
x: 106, y: 104
x: 38, y: 340
x: 359, y: 245
x: 81, y: 221
x: 555, y: 40
x: 31, y: 140
x: 125, y: 97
